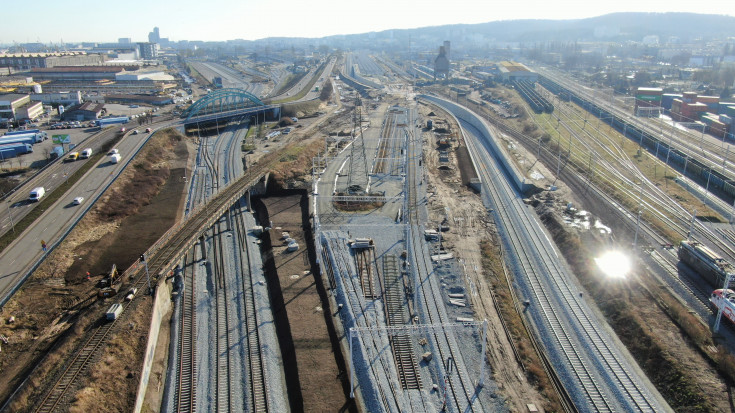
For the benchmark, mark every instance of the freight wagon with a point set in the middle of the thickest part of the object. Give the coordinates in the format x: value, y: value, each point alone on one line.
x: 538, y: 103
x: 713, y: 268
x: 716, y: 182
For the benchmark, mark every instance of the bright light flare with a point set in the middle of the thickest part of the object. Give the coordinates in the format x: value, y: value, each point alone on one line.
x: 614, y: 264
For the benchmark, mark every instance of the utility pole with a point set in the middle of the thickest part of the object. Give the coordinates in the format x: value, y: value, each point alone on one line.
x: 147, y: 275
x: 637, y: 227
x: 691, y: 225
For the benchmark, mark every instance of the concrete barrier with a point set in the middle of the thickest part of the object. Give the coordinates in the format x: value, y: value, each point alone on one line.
x: 161, y: 306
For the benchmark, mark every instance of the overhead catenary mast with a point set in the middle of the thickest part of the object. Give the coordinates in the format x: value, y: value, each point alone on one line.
x: 357, y: 180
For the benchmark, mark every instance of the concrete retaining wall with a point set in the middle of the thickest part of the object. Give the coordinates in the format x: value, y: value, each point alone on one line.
x: 161, y: 306
x: 489, y: 141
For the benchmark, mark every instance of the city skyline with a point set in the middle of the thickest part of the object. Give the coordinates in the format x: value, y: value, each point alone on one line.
x: 251, y: 20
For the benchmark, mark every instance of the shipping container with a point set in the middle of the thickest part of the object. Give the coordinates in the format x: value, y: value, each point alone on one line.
x: 667, y: 99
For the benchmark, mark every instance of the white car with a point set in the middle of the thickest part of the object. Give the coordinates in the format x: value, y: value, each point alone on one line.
x: 78, y: 200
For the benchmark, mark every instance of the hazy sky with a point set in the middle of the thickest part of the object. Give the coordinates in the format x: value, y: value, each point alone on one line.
x: 106, y: 21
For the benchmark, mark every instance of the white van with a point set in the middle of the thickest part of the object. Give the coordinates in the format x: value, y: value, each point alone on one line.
x: 86, y: 153
x: 37, y: 194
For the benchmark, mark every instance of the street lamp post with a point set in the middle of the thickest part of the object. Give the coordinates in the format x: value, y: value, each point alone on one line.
x: 12, y: 225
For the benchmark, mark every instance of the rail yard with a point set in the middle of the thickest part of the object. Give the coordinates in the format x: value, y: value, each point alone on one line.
x: 407, y: 186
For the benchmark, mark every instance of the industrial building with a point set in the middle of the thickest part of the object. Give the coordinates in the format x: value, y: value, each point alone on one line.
x: 28, y: 61
x: 85, y: 111
x: 145, y: 99
x: 441, y: 65
x: 58, y: 98
x: 19, y: 106
x: 148, y: 50
x: 513, y: 72
x: 89, y: 73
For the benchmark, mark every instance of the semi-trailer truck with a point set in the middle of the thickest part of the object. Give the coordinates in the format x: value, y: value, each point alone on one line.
x: 11, y: 150
x: 17, y: 139
x: 23, y: 132
x: 36, y: 137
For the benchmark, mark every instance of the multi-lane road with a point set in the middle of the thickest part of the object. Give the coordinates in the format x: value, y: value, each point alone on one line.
x: 21, y: 257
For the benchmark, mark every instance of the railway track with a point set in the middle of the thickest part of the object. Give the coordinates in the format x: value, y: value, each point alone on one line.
x: 258, y: 383
x: 186, y: 395
x: 550, y: 278
x: 389, y: 400
x: 396, y: 315
x: 161, y: 257
x: 459, y: 389
x: 223, y: 373
x: 364, y: 262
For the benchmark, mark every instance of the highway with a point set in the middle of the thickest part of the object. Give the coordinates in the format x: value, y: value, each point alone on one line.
x: 50, y: 178
x: 586, y: 354
x: 22, y: 256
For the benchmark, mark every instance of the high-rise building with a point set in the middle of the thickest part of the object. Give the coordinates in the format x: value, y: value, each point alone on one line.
x: 124, y: 40
x: 148, y: 50
x: 154, y: 36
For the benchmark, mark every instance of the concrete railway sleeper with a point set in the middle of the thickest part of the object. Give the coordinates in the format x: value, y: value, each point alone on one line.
x: 186, y: 394
x: 258, y: 383
x: 444, y: 344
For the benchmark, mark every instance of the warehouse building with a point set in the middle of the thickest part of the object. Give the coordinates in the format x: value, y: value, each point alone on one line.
x: 85, y: 111
x: 90, y: 73
x: 28, y: 61
x: 514, y: 71
x: 58, y: 98
x: 19, y: 106
x: 144, y: 99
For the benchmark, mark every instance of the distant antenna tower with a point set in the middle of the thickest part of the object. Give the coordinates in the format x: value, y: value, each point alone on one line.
x: 357, y: 179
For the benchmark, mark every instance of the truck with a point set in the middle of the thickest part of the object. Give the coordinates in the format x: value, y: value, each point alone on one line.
x: 114, y: 312
x: 57, y: 152
x: 11, y: 150
x: 112, y: 121
x: 17, y: 139
x: 37, y: 136
x: 23, y: 132
x: 36, y: 194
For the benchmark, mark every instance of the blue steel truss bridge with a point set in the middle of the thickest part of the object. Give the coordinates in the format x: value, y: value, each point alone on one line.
x: 224, y: 104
